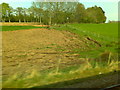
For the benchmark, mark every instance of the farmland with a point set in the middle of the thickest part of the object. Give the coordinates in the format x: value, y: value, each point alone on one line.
x: 43, y: 56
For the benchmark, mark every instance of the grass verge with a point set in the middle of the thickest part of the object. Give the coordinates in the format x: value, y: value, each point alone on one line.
x: 13, y: 28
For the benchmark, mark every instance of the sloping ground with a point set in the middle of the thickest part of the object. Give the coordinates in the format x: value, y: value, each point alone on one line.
x: 39, y: 49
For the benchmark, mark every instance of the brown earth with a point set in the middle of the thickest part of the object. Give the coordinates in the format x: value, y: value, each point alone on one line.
x: 41, y: 25
x: 14, y: 24
x: 20, y: 24
x: 39, y: 49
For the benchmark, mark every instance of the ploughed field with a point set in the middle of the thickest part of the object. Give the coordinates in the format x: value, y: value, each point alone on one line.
x: 39, y: 49
x: 36, y: 56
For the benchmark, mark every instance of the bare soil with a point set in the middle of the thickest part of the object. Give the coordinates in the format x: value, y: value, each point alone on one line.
x: 39, y: 49
x: 18, y: 24
x: 41, y: 25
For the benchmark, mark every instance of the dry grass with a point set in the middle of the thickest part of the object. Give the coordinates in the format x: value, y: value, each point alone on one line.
x: 41, y: 25
x: 20, y: 24
x: 36, y: 78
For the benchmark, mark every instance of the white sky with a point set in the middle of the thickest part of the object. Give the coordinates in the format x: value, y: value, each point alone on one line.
x: 60, y: 0
x: 109, y: 6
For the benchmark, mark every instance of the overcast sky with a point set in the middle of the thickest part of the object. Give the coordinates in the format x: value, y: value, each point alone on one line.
x: 109, y: 6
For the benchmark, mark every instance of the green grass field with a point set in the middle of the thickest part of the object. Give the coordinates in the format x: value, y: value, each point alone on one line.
x: 105, y: 34
x: 108, y: 29
x: 13, y: 28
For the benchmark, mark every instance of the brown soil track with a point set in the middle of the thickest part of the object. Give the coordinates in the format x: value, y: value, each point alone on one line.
x: 41, y: 25
x: 15, y: 24
x: 39, y: 49
x: 22, y: 24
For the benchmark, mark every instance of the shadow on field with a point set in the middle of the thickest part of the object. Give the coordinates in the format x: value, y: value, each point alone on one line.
x: 98, y: 81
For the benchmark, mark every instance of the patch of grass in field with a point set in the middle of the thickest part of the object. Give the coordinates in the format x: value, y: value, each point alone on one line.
x: 13, y: 28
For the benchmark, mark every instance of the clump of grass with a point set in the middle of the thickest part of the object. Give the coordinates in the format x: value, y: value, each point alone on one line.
x: 104, y: 59
x: 58, y: 65
x: 22, y: 56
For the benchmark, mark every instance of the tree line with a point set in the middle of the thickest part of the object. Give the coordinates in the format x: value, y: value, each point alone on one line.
x: 53, y: 13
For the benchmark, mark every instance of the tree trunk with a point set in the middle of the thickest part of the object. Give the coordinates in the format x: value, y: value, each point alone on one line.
x: 31, y: 20
x: 50, y: 20
x: 24, y: 20
x: 3, y: 20
x: 40, y: 19
x: 36, y: 20
x: 9, y: 21
x: 19, y: 20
